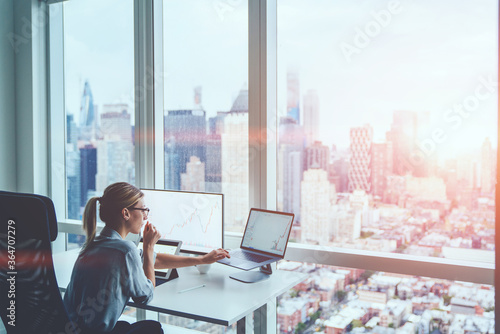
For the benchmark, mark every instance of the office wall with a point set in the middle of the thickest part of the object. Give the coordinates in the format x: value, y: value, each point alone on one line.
x: 7, y: 99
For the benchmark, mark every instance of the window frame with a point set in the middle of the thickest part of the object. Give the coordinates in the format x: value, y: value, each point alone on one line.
x: 149, y: 160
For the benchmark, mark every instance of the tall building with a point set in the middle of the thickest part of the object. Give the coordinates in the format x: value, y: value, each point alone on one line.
x: 291, y: 165
x: 73, y: 176
x: 412, y: 152
x: 360, y: 158
x: 293, y: 95
x: 403, y: 134
x: 185, y: 136
x: 116, y: 122
x: 317, y: 156
x: 115, y: 163
x: 465, y: 170
x: 487, y: 168
x: 73, y: 181
x: 234, y: 157
x: 88, y: 169
x: 315, y: 208
x: 340, y: 174
x: 311, y: 116
x: 172, y: 165
x: 449, y: 175
x: 194, y: 178
x: 115, y: 160
x: 88, y: 114
x: 213, y: 165
x: 381, y: 167
x: 72, y: 132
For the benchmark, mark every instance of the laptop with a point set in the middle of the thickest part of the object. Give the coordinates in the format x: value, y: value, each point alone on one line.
x: 264, y: 241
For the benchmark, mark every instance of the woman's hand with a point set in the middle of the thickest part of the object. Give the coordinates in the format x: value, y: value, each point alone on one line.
x: 215, y: 255
x: 151, y: 235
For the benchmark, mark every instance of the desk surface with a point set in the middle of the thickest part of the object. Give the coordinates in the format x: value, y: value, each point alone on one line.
x: 222, y: 301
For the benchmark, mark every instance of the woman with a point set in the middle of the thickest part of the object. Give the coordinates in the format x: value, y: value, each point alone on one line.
x: 109, y: 270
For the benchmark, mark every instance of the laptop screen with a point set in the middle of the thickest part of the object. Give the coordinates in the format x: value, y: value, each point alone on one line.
x: 267, y: 231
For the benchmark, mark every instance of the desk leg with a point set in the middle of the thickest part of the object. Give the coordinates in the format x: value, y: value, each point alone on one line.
x: 245, y: 325
x: 260, y: 320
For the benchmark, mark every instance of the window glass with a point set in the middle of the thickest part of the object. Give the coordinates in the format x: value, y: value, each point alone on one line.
x: 347, y: 300
x: 388, y: 124
x: 205, y: 50
x: 99, y: 99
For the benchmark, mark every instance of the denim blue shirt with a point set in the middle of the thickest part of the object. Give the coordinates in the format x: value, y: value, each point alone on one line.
x: 105, y: 276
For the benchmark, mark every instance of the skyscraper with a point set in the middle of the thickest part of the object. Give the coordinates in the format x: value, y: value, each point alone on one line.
x: 311, y: 116
x: 381, y: 167
x: 88, y: 168
x: 115, y: 161
x: 88, y: 113
x: 293, y: 95
x: 234, y: 157
x: 317, y: 156
x: 116, y: 122
x: 487, y: 167
x: 185, y: 136
x: 194, y: 178
x: 360, y: 158
x: 315, y: 208
x: 72, y: 169
x: 403, y: 134
x: 291, y: 163
x: 73, y: 176
x: 213, y: 164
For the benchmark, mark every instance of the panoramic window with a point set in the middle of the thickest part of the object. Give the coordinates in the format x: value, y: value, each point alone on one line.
x: 99, y: 99
x: 206, y: 102
x: 388, y: 125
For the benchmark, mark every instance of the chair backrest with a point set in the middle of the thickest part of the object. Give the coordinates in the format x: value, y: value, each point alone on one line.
x: 30, y: 301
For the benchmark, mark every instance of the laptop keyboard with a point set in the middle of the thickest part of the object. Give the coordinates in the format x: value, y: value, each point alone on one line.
x: 249, y: 256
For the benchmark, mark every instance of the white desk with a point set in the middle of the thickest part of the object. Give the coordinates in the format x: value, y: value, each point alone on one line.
x: 222, y: 301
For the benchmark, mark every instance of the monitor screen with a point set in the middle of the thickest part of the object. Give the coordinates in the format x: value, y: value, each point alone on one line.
x: 195, y: 218
x: 268, y: 231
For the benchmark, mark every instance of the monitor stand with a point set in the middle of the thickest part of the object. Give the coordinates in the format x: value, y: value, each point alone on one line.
x: 254, y: 276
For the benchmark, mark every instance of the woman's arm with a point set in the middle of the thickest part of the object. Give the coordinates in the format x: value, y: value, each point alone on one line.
x: 151, y: 236
x: 164, y: 261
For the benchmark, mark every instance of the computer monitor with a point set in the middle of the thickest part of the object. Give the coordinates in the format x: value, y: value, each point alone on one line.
x: 195, y: 218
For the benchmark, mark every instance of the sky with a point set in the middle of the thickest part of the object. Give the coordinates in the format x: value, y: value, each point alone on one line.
x: 425, y: 56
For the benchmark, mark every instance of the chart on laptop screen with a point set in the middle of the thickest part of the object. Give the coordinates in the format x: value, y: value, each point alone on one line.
x: 267, y: 231
x: 194, y: 218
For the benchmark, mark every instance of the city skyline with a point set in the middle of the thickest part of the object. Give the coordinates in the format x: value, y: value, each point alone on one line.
x: 376, y: 166
x: 344, y: 89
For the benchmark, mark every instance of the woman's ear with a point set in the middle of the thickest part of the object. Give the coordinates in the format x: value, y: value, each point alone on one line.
x: 125, y: 213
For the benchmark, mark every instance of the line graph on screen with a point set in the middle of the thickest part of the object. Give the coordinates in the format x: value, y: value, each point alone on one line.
x: 195, y: 218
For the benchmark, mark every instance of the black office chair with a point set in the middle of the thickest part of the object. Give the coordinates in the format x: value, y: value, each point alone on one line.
x: 30, y: 301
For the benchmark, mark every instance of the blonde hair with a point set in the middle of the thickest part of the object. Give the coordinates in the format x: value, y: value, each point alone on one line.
x: 116, y: 197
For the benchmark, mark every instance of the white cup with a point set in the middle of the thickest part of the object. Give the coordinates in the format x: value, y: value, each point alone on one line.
x: 203, y: 268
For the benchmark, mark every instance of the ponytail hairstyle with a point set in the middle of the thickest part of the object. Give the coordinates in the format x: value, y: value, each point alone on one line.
x: 116, y: 197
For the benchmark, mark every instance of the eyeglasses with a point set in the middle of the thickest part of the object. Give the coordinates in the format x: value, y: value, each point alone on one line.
x: 144, y: 210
